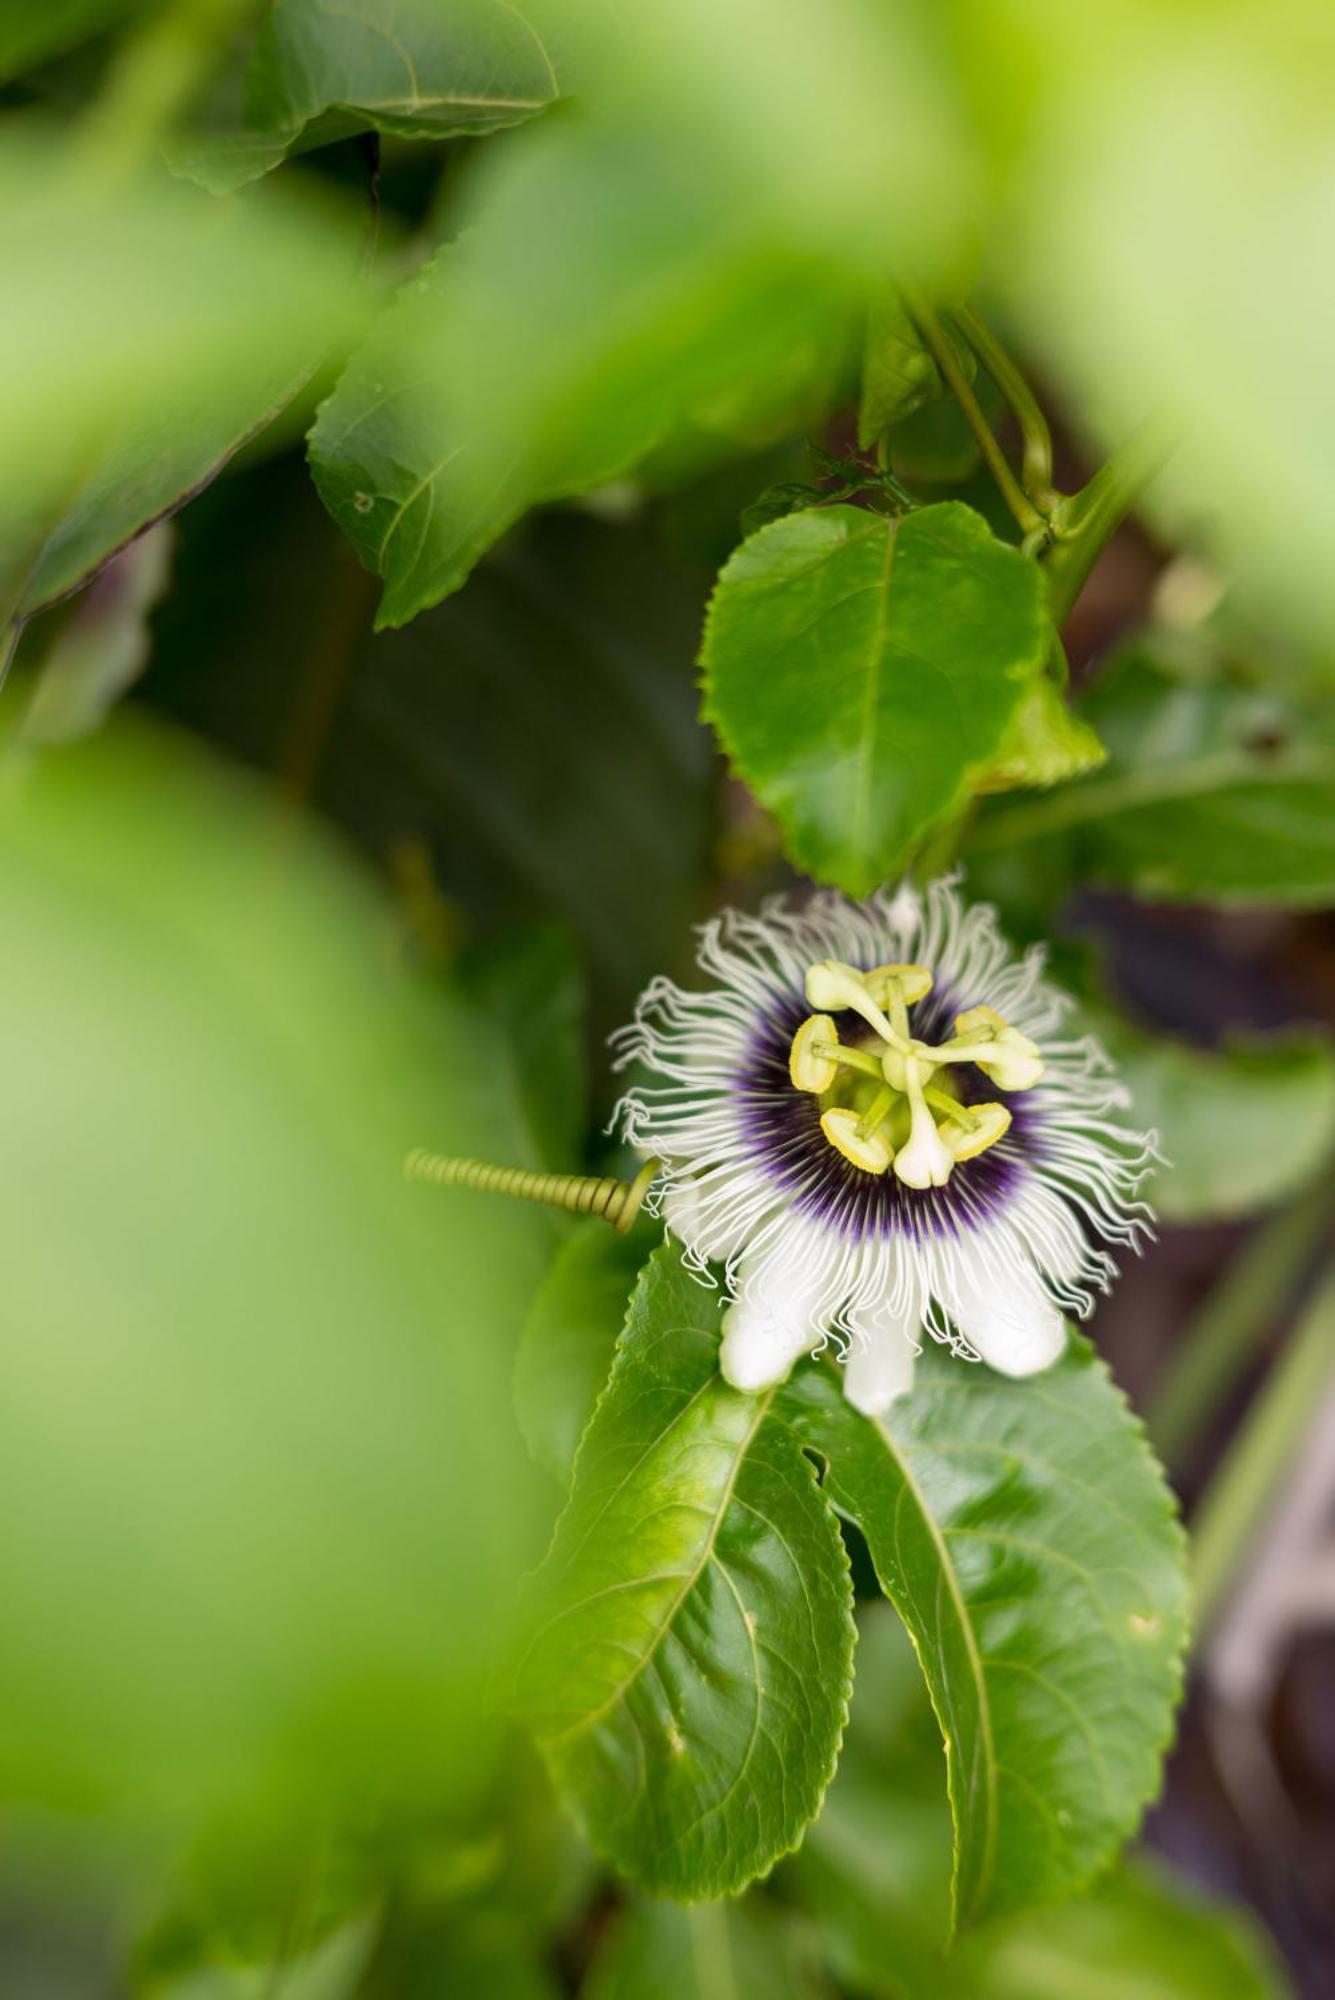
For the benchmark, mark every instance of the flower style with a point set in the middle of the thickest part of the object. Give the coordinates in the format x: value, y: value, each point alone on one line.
x: 874, y: 1121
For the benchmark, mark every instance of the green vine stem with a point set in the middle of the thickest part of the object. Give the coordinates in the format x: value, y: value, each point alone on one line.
x: 1082, y: 525
x: 934, y: 338
x: 1245, y: 1486
x: 1036, y: 436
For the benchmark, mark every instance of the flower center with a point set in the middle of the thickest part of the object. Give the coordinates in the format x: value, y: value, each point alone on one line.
x: 889, y: 1099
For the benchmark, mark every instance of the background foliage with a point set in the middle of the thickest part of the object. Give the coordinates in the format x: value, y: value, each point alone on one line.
x: 481, y: 485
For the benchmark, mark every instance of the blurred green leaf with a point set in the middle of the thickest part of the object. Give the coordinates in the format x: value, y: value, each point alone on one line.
x: 933, y: 447
x: 1137, y: 1936
x: 1026, y: 1536
x: 252, y: 1382
x: 863, y: 672
x: 708, y: 211
x: 103, y: 647
x: 531, y: 984
x: 209, y: 316
x: 537, y: 734
x: 898, y: 374
x: 1170, y: 220
x: 321, y: 71
x: 1240, y: 1128
x: 33, y: 30
x: 410, y: 453
x: 873, y: 1873
x: 569, y: 1338
x: 689, y: 1675
x: 330, y: 1970
x: 1215, y: 791
x: 704, y: 1951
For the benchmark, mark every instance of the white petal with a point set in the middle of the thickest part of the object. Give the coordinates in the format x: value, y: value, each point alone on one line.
x: 770, y: 1324
x: 880, y: 1362
x: 1007, y: 1316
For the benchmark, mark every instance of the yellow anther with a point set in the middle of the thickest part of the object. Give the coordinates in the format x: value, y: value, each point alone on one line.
x: 982, y: 1023
x: 1000, y: 1051
x: 912, y: 982
x: 871, y: 1151
x: 986, y: 1124
x: 808, y: 1070
x: 832, y: 985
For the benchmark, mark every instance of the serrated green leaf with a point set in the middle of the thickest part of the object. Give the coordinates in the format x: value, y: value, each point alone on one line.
x: 1214, y: 791
x: 417, y: 69
x: 689, y: 1675
x: 1026, y: 1537
x: 1045, y: 744
x: 1240, y: 1128
x: 862, y: 671
x: 707, y: 1951
x: 874, y: 1876
x: 569, y: 1338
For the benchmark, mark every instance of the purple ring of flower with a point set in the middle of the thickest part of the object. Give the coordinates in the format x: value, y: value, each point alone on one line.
x: 783, y: 1133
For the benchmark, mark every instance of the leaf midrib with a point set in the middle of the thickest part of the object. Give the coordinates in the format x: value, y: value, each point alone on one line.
x: 689, y: 1577
x: 860, y: 820
x: 947, y: 1568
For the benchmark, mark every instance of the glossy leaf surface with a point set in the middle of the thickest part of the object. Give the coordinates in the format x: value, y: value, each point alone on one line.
x: 862, y: 672
x: 1028, y: 1540
x: 690, y: 1671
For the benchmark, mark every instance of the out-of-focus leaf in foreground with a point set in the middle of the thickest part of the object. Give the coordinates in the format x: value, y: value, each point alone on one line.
x: 415, y: 68
x: 711, y: 209
x: 33, y: 30
x: 569, y: 1338
x: 148, y: 330
x: 252, y: 1383
x: 1176, y: 223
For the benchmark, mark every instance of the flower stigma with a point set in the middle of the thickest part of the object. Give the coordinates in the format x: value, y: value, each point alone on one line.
x: 886, y: 1098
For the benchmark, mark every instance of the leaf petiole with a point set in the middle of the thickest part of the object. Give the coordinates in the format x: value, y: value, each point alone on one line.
x: 1027, y: 516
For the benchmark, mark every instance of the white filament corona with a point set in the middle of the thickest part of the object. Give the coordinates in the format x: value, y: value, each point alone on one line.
x: 815, y: 1250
